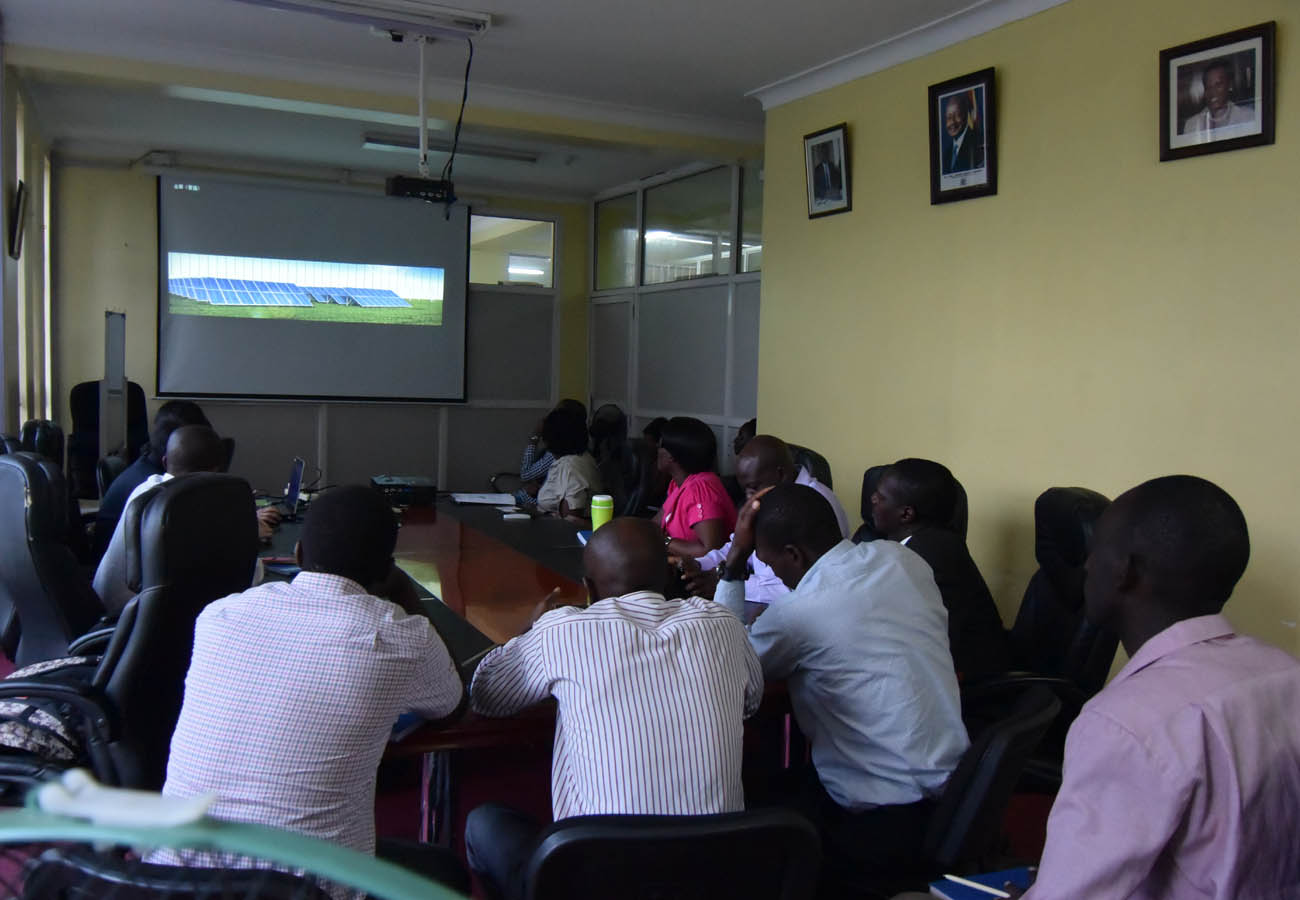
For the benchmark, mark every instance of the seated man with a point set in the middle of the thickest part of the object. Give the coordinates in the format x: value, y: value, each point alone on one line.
x: 294, y: 687
x: 1183, y: 775
x: 171, y: 415
x: 652, y: 695
x: 912, y: 504
x: 573, y: 477
x: 190, y: 448
x: 536, y: 460
x: 764, y: 462
x: 862, y: 642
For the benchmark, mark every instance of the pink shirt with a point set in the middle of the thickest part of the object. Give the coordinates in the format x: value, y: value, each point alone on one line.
x: 699, y: 497
x: 1182, y: 777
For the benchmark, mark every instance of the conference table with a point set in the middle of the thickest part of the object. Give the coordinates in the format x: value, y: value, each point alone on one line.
x: 482, y: 577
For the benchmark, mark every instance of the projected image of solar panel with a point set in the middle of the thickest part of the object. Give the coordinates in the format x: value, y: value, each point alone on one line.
x: 227, y: 291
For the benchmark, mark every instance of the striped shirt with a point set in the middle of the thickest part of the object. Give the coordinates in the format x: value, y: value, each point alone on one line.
x: 652, y: 694
x: 291, y: 695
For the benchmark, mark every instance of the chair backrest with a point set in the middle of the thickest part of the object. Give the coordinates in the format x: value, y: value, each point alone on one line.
x: 760, y: 854
x: 107, y: 469
x: 189, y: 541
x: 642, y: 485
x: 1051, y: 636
x: 814, y: 462
x: 40, y: 579
x: 44, y: 438
x: 968, y: 819
x: 867, y: 531
x: 76, y: 873
x: 10, y: 444
x: 83, y: 441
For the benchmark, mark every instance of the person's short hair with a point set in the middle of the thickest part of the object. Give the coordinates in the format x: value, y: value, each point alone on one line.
x: 608, y: 423
x: 795, y: 514
x: 170, y: 416
x: 654, y: 429
x: 349, y: 531
x: 692, y: 443
x: 962, y: 99
x: 200, y: 450
x: 926, y: 486
x: 577, y: 407
x: 564, y: 432
x: 1190, y: 537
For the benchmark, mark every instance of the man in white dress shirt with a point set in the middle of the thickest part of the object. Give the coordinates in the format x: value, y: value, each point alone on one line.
x: 862, y: 642
x: 764, y: 462
x: 652, y: 696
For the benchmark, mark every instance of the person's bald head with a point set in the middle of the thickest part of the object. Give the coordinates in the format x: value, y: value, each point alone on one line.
x: 1169, y: 549
x: 625, y: 555
x: 194, y: 448
x: 765, y: 462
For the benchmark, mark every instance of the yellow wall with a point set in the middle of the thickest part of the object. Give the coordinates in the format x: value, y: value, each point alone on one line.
x: 106, y: 259
x: 1104, y: 319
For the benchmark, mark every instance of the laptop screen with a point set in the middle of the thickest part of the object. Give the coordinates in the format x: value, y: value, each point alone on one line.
x: 294, y: 486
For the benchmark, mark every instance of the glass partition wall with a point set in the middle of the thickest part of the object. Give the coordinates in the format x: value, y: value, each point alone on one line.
x: 673, y: 321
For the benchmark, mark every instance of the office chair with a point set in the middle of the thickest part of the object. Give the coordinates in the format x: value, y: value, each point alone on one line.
x: 107, y: 469
x: 46, y: 601
x: 190, y: 540
x: 44, y: 438
x: 83, y: 441
x: 1052, y: 642
x: 867, y: 531
x: 10, y: 444
x: 760, y: 854
x: 966, y: 827
x: 814, y: 462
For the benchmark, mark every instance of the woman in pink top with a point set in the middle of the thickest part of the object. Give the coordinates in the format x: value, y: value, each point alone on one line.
x: 697, y: 515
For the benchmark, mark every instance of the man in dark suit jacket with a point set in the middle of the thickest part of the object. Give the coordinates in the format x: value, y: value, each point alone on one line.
x: 912, y: 504
x: 964, y: 149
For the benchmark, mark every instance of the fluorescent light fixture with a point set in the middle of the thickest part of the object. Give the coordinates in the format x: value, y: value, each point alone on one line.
x: 402, y: 144
x: 666, y: 236
x: 523, y: 270
x: 405, y: 16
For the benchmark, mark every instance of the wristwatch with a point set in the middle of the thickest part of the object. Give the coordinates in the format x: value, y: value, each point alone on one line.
x: 723, y: 571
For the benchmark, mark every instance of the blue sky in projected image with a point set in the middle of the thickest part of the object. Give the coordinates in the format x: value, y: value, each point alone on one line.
x: 410, y: 282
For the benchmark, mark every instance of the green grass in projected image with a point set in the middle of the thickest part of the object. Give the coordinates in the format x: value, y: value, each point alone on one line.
x: 421, y: 312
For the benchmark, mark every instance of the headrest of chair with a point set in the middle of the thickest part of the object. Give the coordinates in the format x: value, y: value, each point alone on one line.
x: 201, y: 528
x: 44, y: 437
x: 38, y: 484
x: 1063, y: 522
x: 10, y: 444
x: 870, y: 478
x: 814, y: 462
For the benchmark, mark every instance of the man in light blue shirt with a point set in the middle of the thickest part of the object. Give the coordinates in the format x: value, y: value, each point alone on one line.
x: 862, y: 641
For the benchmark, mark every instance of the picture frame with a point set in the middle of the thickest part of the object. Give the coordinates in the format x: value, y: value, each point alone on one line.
x: 1217, y: 94
x: 826, y: 171
x: 963, y: 138
x: 17, y: 220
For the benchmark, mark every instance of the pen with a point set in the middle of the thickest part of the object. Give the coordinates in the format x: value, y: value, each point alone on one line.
x: 977, y: 886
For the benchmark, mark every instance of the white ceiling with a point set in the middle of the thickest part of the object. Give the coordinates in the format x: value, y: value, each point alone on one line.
x: 674, y: 65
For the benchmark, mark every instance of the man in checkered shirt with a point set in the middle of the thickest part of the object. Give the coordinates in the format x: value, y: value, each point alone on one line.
x: 293, y: 687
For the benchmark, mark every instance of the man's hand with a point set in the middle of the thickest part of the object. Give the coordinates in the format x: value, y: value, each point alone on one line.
x: 742, y: 540
x: 699, y: 582
x: 269, y: 516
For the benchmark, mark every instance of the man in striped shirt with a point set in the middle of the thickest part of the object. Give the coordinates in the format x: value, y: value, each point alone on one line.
x: 652, y: 694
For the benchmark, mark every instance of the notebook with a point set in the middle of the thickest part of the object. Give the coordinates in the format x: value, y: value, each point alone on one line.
x: 485, y: 499
x: 951, y: 890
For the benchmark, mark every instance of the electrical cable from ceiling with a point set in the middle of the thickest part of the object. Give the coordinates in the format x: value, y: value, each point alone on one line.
x: 449, y: 165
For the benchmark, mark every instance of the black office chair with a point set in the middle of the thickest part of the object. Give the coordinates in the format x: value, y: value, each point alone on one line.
x: 189, y: 541
x: 867, y: 531
x: 814, y: 462
x: 965, y: 831
x: 10, y: 444
x: 78, y: 873
x: 760, y: 854
x: 44, y: 438
x: 83, y: 442
x: 107, y: 469
x: 46, y: 601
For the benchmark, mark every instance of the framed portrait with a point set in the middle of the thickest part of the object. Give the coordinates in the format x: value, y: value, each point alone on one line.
x: 826, y: 169
x: 963, y: 138
x: 1216, y: 94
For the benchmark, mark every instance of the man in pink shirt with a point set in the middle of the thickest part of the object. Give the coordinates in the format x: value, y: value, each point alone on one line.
x: 1182, y: 777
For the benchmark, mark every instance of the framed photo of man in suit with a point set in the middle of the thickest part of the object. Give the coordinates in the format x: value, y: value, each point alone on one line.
x: 963, y: 138
x: 1216, y: 94
x: 826, y: 167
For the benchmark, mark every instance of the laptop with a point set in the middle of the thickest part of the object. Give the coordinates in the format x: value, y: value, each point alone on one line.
x: 292, y: 490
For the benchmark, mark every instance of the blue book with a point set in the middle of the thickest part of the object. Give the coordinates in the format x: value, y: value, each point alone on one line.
x: 583, y: 537
x: 952, y: 890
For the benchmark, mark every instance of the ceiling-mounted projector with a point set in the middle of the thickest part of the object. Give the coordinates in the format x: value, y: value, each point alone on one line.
x: 405, y: 16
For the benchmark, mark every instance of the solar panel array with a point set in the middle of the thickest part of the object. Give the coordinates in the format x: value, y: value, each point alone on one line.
x: 239, y: 292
